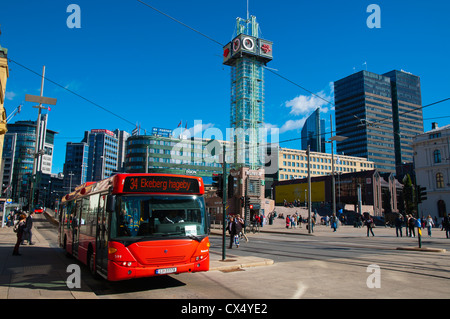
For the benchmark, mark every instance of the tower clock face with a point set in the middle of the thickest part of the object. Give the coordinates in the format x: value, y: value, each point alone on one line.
x: 248, y: 44
x: 236, y: 44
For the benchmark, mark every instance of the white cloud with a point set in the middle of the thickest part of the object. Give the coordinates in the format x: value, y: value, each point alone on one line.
x: 292, y: 125
x: 10, y: 95
x: 269, y: 126
x: 304, y: 105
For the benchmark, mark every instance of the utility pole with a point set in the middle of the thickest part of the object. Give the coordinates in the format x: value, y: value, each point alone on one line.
x: 38, y: 151
x: 336, y: 138
x: 333, y: 181
x: 224, y: 202
x: 309, y: 191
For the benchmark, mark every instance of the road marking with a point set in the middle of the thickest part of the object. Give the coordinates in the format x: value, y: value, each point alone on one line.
x: 301, y: 289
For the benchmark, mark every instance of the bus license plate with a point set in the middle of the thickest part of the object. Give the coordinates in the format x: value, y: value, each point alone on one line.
x: 166, y: 271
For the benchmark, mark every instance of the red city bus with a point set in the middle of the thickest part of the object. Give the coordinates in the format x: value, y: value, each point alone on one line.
x: 137, y: 225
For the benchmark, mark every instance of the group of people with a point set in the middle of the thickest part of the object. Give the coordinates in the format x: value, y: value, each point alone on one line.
x: 411, y: 223
x: 234, y: 227
x: 295, y: 203
x: 23, y: 225
x: 296, y: 220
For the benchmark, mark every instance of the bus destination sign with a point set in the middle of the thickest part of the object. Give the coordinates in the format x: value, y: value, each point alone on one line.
x: 161, y: 184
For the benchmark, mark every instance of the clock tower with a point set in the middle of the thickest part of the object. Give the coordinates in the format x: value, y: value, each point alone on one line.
x: 247, y: 54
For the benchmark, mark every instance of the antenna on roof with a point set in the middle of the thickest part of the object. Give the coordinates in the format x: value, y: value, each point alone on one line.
x: 247, y: 11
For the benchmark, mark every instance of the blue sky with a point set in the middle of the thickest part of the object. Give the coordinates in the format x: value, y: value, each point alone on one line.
x: 145, y: 68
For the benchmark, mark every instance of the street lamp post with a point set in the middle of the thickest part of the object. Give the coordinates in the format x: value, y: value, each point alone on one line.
x: 38, y: 151
x: 333, y: 181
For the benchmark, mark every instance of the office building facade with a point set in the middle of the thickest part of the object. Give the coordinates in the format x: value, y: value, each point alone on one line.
x: 407, y: 113
x: 432, y: 166
x: 293, y: 164
x: 102, y: 155
x: 18, y: 156
x: 370, y: 111
x: 171, y: 155
x: 75, y: 165
x: 313, y: 133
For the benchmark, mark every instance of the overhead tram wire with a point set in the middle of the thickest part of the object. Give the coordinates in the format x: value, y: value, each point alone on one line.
x: 412, y: 110
x: 222, y: 45
x: 73, y: 92
x: 182, y: 23
x: 282, y: 77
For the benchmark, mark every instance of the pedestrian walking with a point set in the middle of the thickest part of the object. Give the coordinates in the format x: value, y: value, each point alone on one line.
x: 241, y: 221
x: 334, y: 222
x: 293, y: 221
x: 429, y: 224
x: 399, y: 225
x: 234, y: 228
x: 370, y: 225
x: 19, y: 229
x: 28, y: 234
x: 447, y: 225
x: 411, y: 225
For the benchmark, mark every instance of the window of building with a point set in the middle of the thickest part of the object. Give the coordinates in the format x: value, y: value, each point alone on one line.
x: 439, y: 180
x: 437, y: 156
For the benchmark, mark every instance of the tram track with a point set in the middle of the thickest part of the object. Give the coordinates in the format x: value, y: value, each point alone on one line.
x: 352, y: 254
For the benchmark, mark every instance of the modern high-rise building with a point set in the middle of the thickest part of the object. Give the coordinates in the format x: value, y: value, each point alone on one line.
x: 18, y: 151
x: 247, y: 54
x: 102, y: 158
x: 122, y: 137
x: 75, y: 165
x: 313, y: 133
x: 99, y: 155
x: 379, y: 114
x: 406, y: 112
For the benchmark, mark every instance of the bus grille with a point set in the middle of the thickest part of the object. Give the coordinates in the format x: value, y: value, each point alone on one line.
x: 164, y: 260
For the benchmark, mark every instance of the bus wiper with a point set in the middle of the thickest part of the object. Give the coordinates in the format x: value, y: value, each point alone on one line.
x: 197, y: 238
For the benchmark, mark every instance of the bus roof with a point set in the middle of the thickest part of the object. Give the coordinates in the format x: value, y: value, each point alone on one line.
x: 142, y: 183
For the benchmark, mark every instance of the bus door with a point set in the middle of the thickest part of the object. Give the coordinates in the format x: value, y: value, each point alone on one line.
x: 101, y: 255
x: 76, y: 228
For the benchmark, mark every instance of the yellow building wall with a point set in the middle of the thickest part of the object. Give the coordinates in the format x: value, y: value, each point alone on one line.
x: 4, y: 74
x: 297, y: 192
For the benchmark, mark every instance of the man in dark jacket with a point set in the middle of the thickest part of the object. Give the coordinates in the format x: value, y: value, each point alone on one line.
x: 234, y: 228
x: 27, y: 231
x: 399, y: 225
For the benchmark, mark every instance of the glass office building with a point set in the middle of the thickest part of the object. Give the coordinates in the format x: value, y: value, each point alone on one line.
x: 368, y: 110
x: 171, y: 155
x: 313, y: 133
x: 406, y: 112
x: 18, y: 151
x: 75, y: 165
x: 102, y: 155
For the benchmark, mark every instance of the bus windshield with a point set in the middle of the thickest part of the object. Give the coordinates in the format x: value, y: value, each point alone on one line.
x: 153, y: 217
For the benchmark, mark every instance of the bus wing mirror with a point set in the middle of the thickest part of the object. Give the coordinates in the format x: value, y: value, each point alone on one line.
x: 110, y: 203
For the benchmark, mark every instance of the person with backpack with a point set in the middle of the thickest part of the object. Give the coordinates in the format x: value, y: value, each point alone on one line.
x: 19, y: 230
